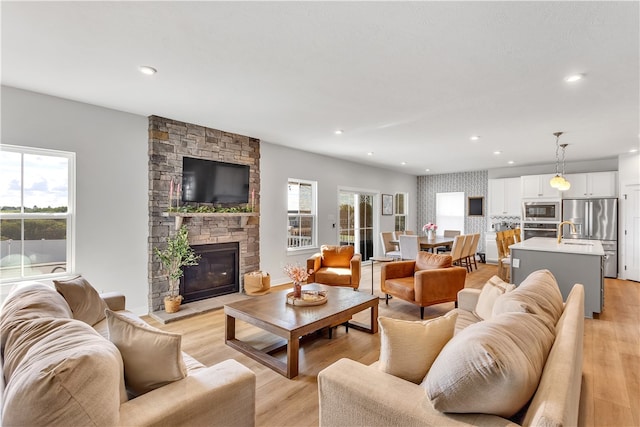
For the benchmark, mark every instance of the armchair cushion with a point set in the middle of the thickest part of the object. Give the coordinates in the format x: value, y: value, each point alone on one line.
x: 428, y: 261
x: 408, y: 348
x: 537, y: 294
x: 336, y: 256
x: 491, y: 367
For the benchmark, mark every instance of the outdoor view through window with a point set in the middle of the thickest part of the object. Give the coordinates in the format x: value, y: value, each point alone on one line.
x: 35, y: 212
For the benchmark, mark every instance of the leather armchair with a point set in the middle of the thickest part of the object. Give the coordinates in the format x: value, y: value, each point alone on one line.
x: 430, y: 279
x: 335, y: 265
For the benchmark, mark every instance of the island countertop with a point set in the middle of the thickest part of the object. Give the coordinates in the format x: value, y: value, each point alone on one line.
x: 568, y: 246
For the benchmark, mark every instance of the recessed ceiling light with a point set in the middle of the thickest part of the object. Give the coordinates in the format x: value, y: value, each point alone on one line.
x: 149, y: 71
x: 510, y: 162
x: 497, y: 152
x: 633, y: 150
x: 475, y: 137
x: 427, y: 170
x: 574, y: 78
x: 339, y: 132
x: 370, y: 153
x: 403, y: 163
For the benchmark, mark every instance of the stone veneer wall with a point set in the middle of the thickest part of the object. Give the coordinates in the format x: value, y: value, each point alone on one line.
x: 169, y: 142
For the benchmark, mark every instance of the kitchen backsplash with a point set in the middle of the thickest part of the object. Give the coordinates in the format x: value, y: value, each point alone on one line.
x: 498, y: 222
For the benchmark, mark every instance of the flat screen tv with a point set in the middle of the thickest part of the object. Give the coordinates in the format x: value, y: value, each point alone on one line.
x: 208, y: 181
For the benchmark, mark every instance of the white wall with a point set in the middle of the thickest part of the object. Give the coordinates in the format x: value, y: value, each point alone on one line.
x: 112, y: 188
x: 278, y: 164
x: 111, y: 182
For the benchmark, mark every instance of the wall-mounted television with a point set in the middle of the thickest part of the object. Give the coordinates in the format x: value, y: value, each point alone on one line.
x: 208, y: 181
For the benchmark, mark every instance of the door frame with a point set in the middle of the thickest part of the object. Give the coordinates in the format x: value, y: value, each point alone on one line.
x: 377, y: 204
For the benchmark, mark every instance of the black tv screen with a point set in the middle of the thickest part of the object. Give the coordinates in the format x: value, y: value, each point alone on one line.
x: 208, y: 181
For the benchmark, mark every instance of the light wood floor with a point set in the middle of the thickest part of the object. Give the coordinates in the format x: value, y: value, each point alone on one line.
x: 611, y: 369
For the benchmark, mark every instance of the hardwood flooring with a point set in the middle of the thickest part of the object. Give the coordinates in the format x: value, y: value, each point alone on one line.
x: 611, y: 367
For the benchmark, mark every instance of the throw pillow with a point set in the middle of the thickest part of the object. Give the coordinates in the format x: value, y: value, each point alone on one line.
x: 491, y: 290
x: 537, y: 294
x: 408, y: 348
x: 491, y: 367
x: 84, y: 301
x: 152, y: 358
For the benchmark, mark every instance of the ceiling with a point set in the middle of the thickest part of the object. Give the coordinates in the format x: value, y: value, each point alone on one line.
x: 408, y: 81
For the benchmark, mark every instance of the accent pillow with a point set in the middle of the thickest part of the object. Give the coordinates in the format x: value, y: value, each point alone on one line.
x: 152, y: 358
x: 491, y: 290
x: 408, y: 348
x: 84, y: 301
x: 537, y: 294
x: 491, y: 367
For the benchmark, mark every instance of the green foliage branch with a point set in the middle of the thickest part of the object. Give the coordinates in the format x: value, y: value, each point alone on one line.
x: 175, y: 256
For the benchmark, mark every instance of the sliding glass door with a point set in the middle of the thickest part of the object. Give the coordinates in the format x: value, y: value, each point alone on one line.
x: 356, y: 222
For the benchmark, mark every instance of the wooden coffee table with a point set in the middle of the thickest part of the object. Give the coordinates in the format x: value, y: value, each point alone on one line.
x: 271, y: 313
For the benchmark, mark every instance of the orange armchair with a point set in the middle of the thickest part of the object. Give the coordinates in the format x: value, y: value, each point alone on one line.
x: 335, y: 265
x: 430, y: 279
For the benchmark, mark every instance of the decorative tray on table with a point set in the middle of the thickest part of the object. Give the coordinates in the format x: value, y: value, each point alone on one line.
x: 308, y: 298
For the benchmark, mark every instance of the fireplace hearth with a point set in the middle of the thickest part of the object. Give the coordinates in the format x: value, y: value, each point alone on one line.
x: 217, y: 273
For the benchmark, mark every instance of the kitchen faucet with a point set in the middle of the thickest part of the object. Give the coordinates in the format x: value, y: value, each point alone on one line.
x: 573, y: 229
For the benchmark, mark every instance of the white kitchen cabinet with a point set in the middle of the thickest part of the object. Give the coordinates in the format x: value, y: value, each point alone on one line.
x: 538, y: 187
x: 594, y: 184
x: 504, y: 197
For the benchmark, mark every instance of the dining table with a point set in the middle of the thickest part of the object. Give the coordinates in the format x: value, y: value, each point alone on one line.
x: 428, y: 244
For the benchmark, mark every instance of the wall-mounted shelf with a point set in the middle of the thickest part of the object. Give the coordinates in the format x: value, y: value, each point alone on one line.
x: 179, y: 216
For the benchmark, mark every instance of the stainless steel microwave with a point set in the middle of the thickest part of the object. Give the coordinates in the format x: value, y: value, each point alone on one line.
x: 541, y: 211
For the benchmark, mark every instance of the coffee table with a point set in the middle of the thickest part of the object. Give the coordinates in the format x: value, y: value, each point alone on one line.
x: 272, y: 313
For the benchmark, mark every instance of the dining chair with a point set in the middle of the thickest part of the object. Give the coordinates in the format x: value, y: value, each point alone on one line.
x: 448, y: 233
x: 456, y: 249
x: 389, y: 249
x: 409, y: 247
x: 471, y: 251
x: 503, y: 240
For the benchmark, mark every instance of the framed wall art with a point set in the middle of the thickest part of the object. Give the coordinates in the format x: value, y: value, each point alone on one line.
x: 387, y: 204
x: 475, y: 206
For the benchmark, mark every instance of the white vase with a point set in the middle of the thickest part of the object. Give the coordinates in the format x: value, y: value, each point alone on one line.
x: 431, y: 234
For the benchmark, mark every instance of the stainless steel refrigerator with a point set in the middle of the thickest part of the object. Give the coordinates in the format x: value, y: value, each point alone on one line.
x: 595, y: 219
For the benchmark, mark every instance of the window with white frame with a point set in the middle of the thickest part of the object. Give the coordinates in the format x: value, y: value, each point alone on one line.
x: 450, y: 211
x: 36, y: 212
x: 301, y: 211
x: 400, y: 211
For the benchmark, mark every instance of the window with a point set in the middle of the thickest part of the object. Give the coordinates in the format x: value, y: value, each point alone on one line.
x: 400, y: 211
x: 450, y: 211
x: 36, y: 212
x: 301, y: 213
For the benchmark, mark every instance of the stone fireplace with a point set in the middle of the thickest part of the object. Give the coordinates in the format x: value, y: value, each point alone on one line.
x: 169, y: 142
x: 217, y: 272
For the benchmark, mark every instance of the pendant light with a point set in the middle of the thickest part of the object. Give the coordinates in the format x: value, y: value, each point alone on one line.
x: 558, y: 179
x: 565, y: 185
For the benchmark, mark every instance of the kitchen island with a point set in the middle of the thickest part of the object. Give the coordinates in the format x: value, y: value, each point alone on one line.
x: 572, y: 261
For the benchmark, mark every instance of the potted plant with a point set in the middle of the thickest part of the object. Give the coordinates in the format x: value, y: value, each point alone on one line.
x: 174, y: 257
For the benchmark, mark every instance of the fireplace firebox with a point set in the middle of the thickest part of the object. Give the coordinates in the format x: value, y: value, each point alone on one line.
x: 217, y: 273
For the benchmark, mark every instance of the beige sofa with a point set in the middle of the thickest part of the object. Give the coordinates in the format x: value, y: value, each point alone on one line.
x: 354, y: 394
x: 59, y: 371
